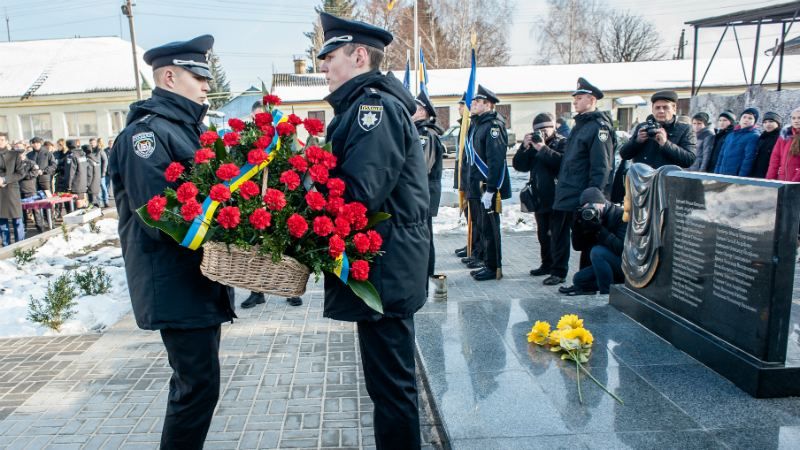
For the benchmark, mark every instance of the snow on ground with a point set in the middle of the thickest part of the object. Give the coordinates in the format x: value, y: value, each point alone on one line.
x: 56, y: 256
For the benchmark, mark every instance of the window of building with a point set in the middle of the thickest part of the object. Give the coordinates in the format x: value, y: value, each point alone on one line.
x: 443, y: 116
x: 319, y: 115
x: 3, y: 124
x: 82, y: 124
x: 564, y: 110
x: 683, y: 106
x: 118, y: 121
x: 36, y: 125
x: 624, y: 118
x: 505, y: 111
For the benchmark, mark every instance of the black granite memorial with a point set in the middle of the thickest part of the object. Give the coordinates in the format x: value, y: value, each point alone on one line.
x: 722, y: 286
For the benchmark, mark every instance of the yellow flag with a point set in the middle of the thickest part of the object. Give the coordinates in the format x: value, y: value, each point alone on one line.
x: 391, y: 4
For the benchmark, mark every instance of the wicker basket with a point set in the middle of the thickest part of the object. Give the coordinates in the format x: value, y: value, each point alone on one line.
x: 247, y: 269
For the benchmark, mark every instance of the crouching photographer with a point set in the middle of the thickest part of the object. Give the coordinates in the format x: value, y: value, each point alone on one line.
x: 600, y: 230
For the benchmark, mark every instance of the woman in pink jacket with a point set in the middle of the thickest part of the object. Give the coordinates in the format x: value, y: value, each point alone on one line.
x: 784, y: 164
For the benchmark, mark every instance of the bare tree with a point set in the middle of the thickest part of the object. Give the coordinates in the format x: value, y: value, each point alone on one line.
x: 625, y: 37
x: 567, y: 30
x: 341, y: 8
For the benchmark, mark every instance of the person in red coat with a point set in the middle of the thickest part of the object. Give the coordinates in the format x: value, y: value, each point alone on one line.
x: 784, y: 164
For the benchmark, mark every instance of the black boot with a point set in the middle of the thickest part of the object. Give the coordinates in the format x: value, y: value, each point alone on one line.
x: 542, y: 270
x: 461, y: 250
x: 295, y: 301
x: 256, y: 298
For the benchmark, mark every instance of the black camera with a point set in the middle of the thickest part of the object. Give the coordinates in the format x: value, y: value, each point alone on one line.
x: 651, y: 127
x: 537, y: 137
x: 589, y: 214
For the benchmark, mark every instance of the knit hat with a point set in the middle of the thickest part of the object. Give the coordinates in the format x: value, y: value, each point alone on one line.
x: 752, y: 111
x: 728, y: 114
x: 773, y: 116
x: 702, y: 117
x: 543, y: 120
x: 592, y: 195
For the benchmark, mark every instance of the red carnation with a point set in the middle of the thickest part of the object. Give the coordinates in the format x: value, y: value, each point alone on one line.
x: 294, y: 120
x: 220, y: 193
x: 354, y: 212
x: 274, y: 199
x: 329, y: 160
x: 291, y: 179
x: 155, y: 206
x: 228, y: 217
x: 260, y: 219
x: 208, y: 138
x: 227, y: 171
x: 203, y: 155
x: 297, y: 225
x: 375, y: 241
x: 190, y: 210
x: 263, y: 118
x: 342, y: 226
x: 268, y: 132
x: 361, y: 241
x: 236, y: 125
x: 319, y: 173
x: 285, y: 129
x: 174, y: 171
x: 231, y: 138
x: 360, y: 222
x: 313, y: 126
x: 335, y: 205
x: 249, y: 189
x: 256, y: 156
x: 335, y: 246
x: 263, y: 142
x: 359, y: 270
x: 273, y: 100
x: 314, y: 154
x: 323, y: 225
x: 315, y: 200
x: 187, y: 191
x: 335, y: 187
x: 298, y: 163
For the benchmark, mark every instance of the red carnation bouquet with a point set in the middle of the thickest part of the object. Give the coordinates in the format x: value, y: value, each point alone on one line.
x: 258, y: 189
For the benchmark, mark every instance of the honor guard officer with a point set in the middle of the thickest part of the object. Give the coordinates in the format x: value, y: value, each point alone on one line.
x: 489, y: 178
x: 167, y: 290
x: 461, y: 181
x: 587, y: 162
x: 380, y: 160
x: 433, y: 150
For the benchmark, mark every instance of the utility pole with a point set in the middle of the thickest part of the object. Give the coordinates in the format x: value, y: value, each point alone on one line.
x: 8, y: 27
x: 681, y: 44
x: 127, y: 9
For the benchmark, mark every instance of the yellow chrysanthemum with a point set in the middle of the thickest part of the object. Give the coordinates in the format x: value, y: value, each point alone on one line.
x: 581, y: 334
x: 539, y: 333
x: 570, y: 321
x: 554, y: 338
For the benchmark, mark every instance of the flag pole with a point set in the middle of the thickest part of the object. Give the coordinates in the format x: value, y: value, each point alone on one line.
x: 416, y: 48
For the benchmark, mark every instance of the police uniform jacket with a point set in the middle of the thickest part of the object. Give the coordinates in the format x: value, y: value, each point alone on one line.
x: 543, y: 166
x: 12, y: 171
x: 432, y: 150
x: 27, y: 185
x: 77, y: 170
x: 679, y: 150
x: 588, y: 159
x: 95, y: 170
x: 380, y: 160
x: 166, y: 286
x: 47, y: 164
x: 462, y: 167
x: 490, y: 142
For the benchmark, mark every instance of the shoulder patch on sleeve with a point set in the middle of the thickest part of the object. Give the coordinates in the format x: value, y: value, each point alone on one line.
x: 602, y: 134
x: 369, y: 116
x: 144, y: 144
x: 494, y: 132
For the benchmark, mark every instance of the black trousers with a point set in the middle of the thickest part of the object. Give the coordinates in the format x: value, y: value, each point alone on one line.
x: 194, y: 386
x: 475, y: 209
x: 432, y: 254
x: 560, y: 245
x: 543, y: 234
x: 387, y: 355
x: 490, y: 235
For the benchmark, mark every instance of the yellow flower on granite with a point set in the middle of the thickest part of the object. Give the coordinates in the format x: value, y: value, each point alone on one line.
x: 582, y: 335
x: 539, y: 333
x: 554, y: 338
x: 570, y: 321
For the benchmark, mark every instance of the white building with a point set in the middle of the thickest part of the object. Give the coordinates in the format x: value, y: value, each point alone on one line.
x: 67, y: 88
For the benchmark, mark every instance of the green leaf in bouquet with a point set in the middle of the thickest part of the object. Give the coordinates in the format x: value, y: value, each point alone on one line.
x: 366, y: 292
x: 176, y: 231
x: 377, y: 218
x: 328, y: 147
x: 219, y: 150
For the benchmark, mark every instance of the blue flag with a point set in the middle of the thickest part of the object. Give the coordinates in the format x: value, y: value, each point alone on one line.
x: 407, y: 76
x: 423, y: 74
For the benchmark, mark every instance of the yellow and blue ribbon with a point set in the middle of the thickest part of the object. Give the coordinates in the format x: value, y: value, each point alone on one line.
x: 342, y: 269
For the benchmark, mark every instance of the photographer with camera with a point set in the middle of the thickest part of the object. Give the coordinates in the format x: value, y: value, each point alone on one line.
x: 661, y: 140
x: 600, y: 230
x: 540, y: 154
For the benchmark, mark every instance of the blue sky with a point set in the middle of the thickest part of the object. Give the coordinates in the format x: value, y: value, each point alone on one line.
x: 256, y: 38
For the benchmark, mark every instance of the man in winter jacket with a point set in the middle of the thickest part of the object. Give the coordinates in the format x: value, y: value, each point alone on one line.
x: 11, y: 171
x: 661, y: 140
x: 784, y: 164
x: 540, y: 154
x: 46, y: 162
x: 95, y: 158
x: 704, y: 134
x: 739, y: 151
x: 27, y: 186
x: 766, y: 143
x: 381, y: 162
x: 725, y: 124
x: 587, y: 162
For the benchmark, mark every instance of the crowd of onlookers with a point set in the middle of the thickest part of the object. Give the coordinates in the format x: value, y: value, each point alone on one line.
x: 37, y: 169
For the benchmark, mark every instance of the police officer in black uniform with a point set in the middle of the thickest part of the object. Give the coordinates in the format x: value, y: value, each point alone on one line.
x: 168, y: 292
x: 433, y: 150
x: 460, y: 175
x: 380, y: 160
x: 489, y: 178
x: 587, y: 161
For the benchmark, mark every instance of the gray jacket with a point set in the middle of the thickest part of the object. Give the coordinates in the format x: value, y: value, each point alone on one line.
x: 705, y: 145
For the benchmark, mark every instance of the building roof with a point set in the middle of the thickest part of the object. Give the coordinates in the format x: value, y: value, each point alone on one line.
x: 68, y: 66
x: 785, y: 12
x: 562, y: 78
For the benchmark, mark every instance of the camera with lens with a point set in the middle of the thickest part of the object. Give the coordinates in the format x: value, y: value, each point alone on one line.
x: 589, y: 214
x: 537, y: 137
x: 651, y: 127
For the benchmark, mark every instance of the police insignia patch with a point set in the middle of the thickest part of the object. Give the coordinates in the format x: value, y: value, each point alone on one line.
x: 144, y: 144
x: 423, y: 140
x: 369, y: 116
x: 602, y: 135
x: 494, y: 132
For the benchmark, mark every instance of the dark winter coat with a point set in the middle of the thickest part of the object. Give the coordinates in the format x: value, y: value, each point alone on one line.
x: 678, y: 150
x: 588, y: 159
x: 543, y: 166
x: 739, y: 152
x: 610, y: 233
x: 563, y: 130
x: 432, y: 150
x: 47, y: 164
x: 489, y: 139
x: 716, y: 148
x: 95, y: 168
x: 166, y: 287
x: 27, y: 185
x: 379, y: 159
x: 78, y: 171
x: 764, y: 146
x: 62, y: 171
x: 705, y: 145
x: 12, y: 171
